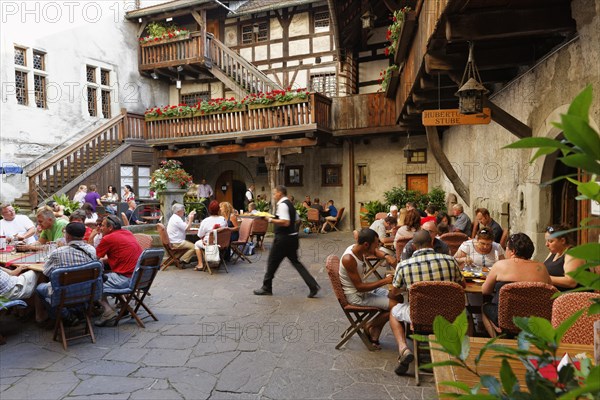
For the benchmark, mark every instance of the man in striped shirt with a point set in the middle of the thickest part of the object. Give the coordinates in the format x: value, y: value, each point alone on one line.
x: 424, y: 265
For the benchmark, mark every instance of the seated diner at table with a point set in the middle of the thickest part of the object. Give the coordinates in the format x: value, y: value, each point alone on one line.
x: 386, y: 230
x: 208, y: 224
x: 132, y: 215
x: 16, y: 226
x: 517, y: 267
x: 439, y: 246
x: 113, y: 197
x: 79, y: 216
x: 412, y: 223
x: 52, y: 230
x: 370, y: 293
x: 176, y: 229
x: 17, y: 284
x: 480, y: 252
x: 558, y: 262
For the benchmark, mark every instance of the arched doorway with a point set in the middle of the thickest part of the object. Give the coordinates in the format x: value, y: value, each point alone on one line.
x: 229, y: 189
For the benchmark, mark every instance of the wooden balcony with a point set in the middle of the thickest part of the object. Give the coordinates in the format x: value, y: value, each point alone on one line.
x: 252, y: 123
x: 161, y: 56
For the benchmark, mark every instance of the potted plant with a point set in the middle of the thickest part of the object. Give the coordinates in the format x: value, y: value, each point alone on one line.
x: 371, y: 209
x: 159, y: 32
x: 276, y: 98
x: 169, y: 175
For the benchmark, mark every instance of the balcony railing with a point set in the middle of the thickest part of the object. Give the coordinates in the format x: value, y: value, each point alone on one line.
x: 172, y: 52
x: 313, y: 113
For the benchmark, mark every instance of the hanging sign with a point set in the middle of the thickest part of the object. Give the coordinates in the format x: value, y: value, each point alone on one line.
x: 453, y: 117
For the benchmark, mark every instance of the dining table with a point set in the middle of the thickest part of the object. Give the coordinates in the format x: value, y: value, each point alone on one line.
x: 489, y: 364
x: 32, y: 260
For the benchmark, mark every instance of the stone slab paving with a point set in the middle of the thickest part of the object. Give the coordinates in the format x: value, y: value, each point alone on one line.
x: 215, y: 340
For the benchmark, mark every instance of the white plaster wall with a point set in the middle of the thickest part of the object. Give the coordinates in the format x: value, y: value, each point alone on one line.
x: 276, y: 51
x: 321, y: 43
x: 275, y: 29
x: 72, y: 34
x: 495, y: 175
x: 298, y: 47
x: 369, y: 71
x: 300, y: 25
x: 260, y: 53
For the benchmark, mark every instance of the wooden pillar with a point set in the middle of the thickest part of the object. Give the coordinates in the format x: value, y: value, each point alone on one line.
x: 273, y: 161
x: 436, y: 149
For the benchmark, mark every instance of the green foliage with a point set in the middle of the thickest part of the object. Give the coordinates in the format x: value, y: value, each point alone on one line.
x: 537, y: 341
x: 579, y: 149
x: 302, y: 212
x: 400, y: 196
x: 194, y: 204
x: 68, y: 204
x: 262, y: 205
x: 373, y: 207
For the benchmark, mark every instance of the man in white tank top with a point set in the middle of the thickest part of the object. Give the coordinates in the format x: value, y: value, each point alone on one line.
x: 362, y: 293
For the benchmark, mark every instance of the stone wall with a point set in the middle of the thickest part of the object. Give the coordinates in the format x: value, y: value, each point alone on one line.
x: 496, y: 176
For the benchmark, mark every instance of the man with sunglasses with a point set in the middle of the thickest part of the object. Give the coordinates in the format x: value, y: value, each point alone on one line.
x: 119, y: 251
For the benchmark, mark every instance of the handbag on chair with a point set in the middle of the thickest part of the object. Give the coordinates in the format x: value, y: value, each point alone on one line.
x: 211, y: 251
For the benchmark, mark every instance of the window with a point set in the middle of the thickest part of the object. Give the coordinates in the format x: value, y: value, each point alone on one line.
x: 255, y: 33
x: 38, y: 61
x: 418, y: 156
x: 90, y: 74
x: 106, y: 103
x: 91, y: 102
x: 138, y: 177
x: 321, y: 21
x: 99, y: 95
x: 39, y: 85
x: 104, y: 77
x: 194, y: 98
x: 30, y: 75
x: 331, y: 175
x: 20, y: 56
x: 362, y: 174
x: 294, y: 176
x: 324, y: 83
x: 21, y: 87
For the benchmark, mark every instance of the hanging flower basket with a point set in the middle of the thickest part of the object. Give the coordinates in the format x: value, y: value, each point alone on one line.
x: 169, y: 175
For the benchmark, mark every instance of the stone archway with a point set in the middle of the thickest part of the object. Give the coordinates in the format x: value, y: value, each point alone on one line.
x: 234, y: 177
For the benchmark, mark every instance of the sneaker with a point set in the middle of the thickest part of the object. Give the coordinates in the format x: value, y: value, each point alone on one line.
x: 314, y: 291
x: 107, y: 320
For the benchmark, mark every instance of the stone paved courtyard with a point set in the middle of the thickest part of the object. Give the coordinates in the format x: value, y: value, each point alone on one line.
x: 215, y: 340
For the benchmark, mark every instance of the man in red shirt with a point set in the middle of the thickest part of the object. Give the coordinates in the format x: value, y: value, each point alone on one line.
x: 119, y: 251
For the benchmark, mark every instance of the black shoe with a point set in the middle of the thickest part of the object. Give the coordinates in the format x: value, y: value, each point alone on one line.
x: 263, y: 292
x: 314, y: 291
x: 404, y: 361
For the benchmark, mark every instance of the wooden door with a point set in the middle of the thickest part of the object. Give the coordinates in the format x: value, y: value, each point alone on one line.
x: 213, y: 27
x: 417, y: 182
x: 224, y: 181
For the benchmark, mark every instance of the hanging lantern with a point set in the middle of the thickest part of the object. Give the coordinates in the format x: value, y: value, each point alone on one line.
x: 368, y: 20
x: 471, y: 91
x: 407, y: 151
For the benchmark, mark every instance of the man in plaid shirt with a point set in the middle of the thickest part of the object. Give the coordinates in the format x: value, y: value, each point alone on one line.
x: 424, y: 265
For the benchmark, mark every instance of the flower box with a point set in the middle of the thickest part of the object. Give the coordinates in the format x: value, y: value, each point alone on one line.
x: 410, y: 22
x: 296, y: 100
x: 390, y: 90
x: 161, y: 118
x: 166, y: 40
x: 200, y: 113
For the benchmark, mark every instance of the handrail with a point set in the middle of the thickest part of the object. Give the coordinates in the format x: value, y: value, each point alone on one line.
x: 57, y: 171
x: 241, y: 71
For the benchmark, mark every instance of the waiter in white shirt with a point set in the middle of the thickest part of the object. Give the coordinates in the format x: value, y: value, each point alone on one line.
x: 249, y: 197
x: 205, y: 192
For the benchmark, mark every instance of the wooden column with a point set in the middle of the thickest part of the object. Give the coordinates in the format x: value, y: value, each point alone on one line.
x: 436, y: 149
x: 273, y: 161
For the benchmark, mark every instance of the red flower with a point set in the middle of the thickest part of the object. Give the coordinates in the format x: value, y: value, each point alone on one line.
x: 387, y: 51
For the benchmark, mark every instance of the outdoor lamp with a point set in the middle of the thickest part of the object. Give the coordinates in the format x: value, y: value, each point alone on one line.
x: 368, y: 20
x: 471, y: 91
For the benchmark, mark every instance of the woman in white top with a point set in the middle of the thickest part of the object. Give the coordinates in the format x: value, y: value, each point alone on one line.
x: 208, y: 224
x: 80, y: 195
x: 481, y: 251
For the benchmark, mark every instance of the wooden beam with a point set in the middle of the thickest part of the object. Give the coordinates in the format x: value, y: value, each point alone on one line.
x: 507, y: 121
x: 486, y: 59
x: 510, y: 23
x: 376, y: 130
x: 237, y: 148
x: 141, y: 29
x: 436, y: 149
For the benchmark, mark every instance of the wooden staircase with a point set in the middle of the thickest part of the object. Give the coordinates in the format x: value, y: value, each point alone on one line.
x: 69, y: 166
x: 235, y: 71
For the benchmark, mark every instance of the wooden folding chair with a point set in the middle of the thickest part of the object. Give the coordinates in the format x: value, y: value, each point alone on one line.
x: 145, y: 241
x: 333, y: 223
x: 143, y: 275
x: 359, y: 316
x: 173, y: 254
x: 400, y: 244
x: 314, y: 220
x: 125, y: 219
x: 81, y: 285
x: 223, y: 240
x: 425, y: 305
x: 238, y: 246
x: 259, y: 230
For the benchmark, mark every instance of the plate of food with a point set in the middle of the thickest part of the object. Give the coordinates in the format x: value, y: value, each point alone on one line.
x: 473, y: 275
